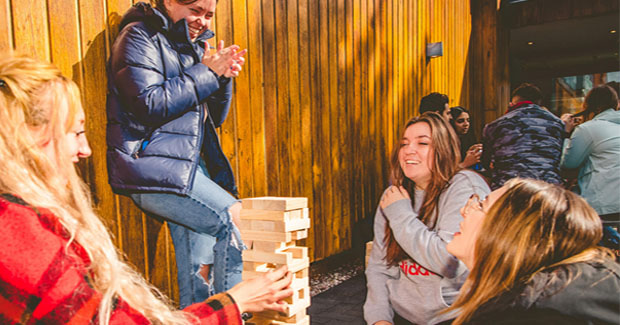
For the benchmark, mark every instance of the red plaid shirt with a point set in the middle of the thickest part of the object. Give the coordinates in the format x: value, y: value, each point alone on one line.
x: 43, y: 282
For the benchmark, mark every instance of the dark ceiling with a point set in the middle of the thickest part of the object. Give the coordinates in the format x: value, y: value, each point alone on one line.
x: 566, y: 47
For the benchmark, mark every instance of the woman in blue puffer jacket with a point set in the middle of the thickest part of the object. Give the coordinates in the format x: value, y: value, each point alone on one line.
x: 166, y: 96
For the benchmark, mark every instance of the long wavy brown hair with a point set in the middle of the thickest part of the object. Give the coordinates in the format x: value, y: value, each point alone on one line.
x: 445, y: 149
x: 533, y: 226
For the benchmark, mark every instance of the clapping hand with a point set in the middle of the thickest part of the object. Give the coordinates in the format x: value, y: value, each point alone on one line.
x: 226, y: 61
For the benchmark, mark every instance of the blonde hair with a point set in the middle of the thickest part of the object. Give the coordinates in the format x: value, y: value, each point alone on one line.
x: 446, y: 152
x: 31, y: 93
x: 533, y: 226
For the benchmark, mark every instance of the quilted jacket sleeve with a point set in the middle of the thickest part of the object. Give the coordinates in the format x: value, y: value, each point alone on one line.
x: 136, y: 71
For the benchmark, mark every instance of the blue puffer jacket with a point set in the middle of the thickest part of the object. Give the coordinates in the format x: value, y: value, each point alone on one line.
x: 158, y: 91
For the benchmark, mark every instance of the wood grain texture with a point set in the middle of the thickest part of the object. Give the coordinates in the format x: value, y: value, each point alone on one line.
x: 6, y: 28
x: 325, y: 91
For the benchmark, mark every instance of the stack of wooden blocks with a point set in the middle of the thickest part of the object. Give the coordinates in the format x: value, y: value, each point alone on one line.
x: 273, y: 224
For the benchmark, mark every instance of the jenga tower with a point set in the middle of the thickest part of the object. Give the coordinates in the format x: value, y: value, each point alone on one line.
x: 273, y: 224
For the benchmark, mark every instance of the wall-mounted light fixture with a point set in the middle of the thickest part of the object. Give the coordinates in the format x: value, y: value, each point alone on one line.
x: 434, y: 50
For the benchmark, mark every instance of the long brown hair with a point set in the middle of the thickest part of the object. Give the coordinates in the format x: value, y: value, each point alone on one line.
x: 446, y: 150
x: 533, y: 226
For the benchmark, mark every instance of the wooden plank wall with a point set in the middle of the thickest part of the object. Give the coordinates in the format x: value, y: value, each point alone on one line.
x: 323, y: 95
x: 489, y: 52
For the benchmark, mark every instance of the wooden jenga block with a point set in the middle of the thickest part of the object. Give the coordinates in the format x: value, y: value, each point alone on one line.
x: 368, y: 249
x: 299, y: 267
x: 300, y: 234
x: 258, y: 266
x: 267, y: 246
x: 275, y: 203
x: 298, y: 295
x: 284, y: 256
x: 300, y: 283
x: 275, y: 226
x: 273, y: 236
x: 274, y: 215
x: 302, y: 273
x: 299, y: 264
x: 252, y: 266
x: 298, y: 319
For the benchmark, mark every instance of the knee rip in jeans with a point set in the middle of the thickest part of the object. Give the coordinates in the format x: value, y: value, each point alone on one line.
x: 205, y: 272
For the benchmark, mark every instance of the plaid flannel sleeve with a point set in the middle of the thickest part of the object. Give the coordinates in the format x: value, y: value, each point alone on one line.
x: 218, y: 309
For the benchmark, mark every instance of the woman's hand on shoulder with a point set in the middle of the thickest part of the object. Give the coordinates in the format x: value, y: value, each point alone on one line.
x: 226, y: 61
x: 393, y: 194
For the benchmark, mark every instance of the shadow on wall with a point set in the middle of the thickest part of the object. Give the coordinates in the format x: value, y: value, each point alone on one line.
x: 144, y: 240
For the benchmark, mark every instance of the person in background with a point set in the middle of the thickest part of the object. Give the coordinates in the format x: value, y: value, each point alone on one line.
x: 616, y: 87
x: 532, y: 250
x: 167, y: 94
x: 594, y: 148
x: 435, y: 102
x: 525, y: 142
x: 411, y: 276
x: 58, y: 262
x: 471, y: 150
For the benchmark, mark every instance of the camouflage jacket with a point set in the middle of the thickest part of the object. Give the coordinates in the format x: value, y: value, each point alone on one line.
x: 526, y: 142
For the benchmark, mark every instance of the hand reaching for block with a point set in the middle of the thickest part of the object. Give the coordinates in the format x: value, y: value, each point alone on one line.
x: 264, y: 292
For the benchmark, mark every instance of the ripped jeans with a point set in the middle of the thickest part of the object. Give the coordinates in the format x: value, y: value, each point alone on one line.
x: 203, y: 234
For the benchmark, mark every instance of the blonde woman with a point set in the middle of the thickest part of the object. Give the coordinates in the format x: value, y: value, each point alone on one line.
x: 58, y: 264
x: 411, y: 276
x: 533, y: 255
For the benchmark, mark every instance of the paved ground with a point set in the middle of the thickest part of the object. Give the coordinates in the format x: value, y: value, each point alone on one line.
x: 341, y: 304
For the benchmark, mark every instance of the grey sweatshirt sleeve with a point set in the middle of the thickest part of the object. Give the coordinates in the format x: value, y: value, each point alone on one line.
x: 428, y: 247
x: 377, y: 306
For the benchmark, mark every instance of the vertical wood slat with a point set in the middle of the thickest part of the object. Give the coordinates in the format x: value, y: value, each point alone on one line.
x: 31, y: 28
x: 324, y: 93
x: 6, y: 28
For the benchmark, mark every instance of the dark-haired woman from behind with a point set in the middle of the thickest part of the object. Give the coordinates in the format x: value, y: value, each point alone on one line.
x: 411, y: 276
x: 531, y: 248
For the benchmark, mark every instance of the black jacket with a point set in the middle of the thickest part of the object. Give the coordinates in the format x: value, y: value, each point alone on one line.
x: 580, y: 293
x: 157, y: 92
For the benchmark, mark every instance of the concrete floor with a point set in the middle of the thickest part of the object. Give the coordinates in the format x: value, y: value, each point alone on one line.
x: 341, y: 304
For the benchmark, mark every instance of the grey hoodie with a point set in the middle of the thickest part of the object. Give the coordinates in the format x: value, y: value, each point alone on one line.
x: 419, y: 288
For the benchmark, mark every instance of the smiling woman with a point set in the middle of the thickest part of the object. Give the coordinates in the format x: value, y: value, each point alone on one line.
x: 167, y: 95
x: 410, y: 273
x: 197, y: 13
x: 533, y: 255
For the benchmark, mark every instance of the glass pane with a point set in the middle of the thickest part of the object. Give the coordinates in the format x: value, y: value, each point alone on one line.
x: 569, y: 92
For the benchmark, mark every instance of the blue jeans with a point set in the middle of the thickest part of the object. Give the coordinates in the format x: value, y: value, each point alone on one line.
x: 203, y: 234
